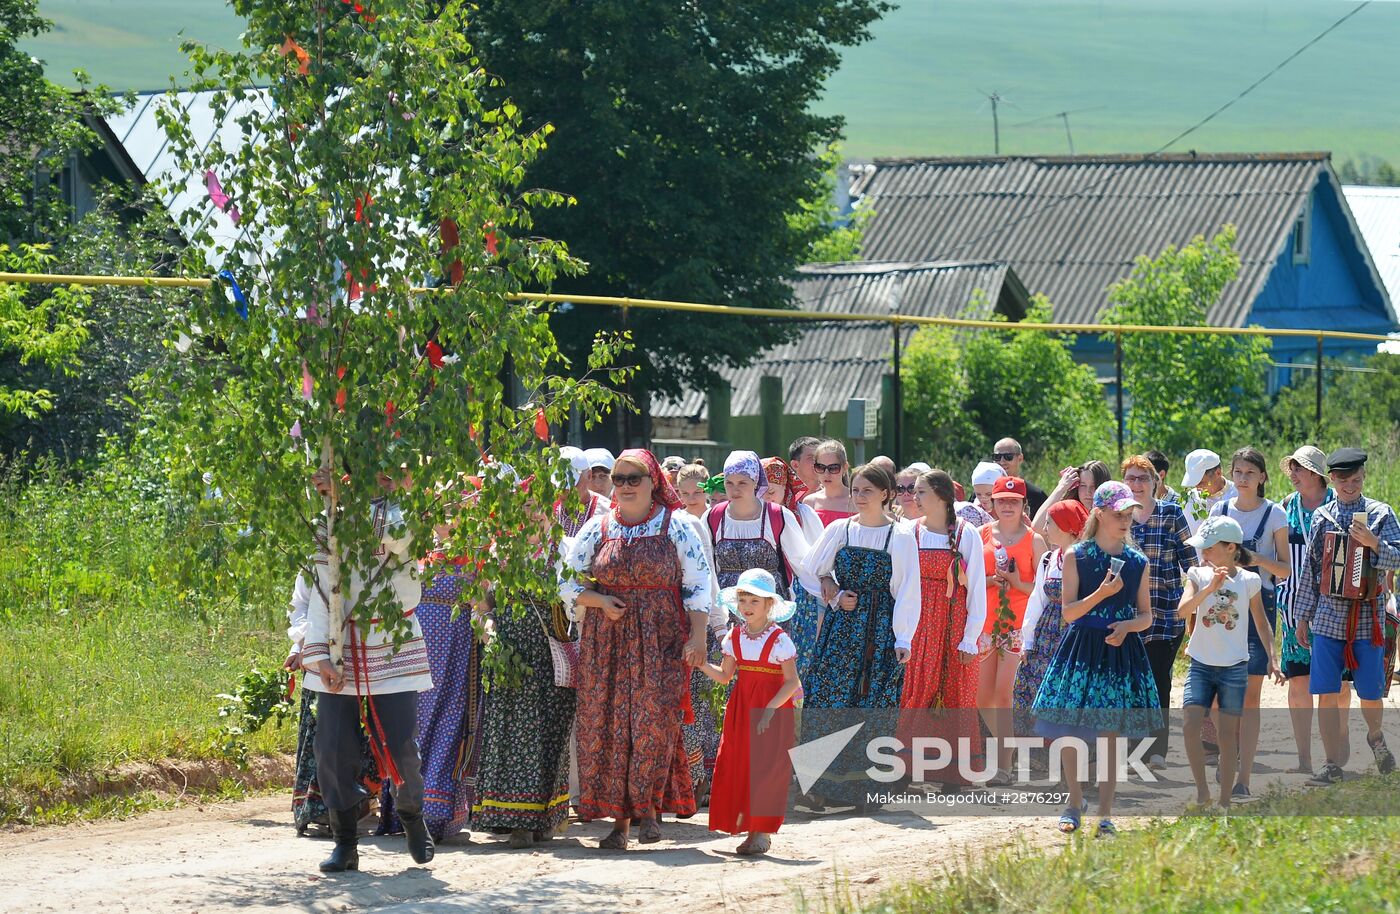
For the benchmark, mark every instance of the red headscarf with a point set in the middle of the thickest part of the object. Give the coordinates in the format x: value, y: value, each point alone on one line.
x: 780, y: 474
x: 662, y: 492
x: 1069, y: 516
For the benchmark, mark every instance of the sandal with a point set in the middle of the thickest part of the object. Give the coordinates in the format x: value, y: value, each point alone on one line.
x: 649, y: 832
x: 615, y: 841
x: 1069, y: 820
x: 1106, y: 829
x: 1002, y: 778
x: 519, y: 839
x: 754, y: 845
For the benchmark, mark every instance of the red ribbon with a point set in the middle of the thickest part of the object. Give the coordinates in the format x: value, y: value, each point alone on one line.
x: 378, y: 742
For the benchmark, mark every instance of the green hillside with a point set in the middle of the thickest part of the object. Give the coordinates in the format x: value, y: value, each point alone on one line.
x: 1144, y: 69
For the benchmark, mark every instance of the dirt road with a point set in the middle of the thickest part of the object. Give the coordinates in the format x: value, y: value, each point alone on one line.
x: 244, y: 857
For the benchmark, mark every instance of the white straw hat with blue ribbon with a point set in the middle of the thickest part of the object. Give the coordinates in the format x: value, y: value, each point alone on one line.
x: 760, y: 583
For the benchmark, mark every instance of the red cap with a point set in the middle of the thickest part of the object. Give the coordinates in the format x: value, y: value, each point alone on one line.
x: 1070, y: 516
x: 1009, y: 487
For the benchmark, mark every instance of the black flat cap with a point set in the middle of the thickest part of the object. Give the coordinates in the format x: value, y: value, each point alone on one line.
x: 1346, y: 458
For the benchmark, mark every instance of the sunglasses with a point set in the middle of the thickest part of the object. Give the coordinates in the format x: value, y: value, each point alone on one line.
x: 904, y: 490
x: 628, y: 481
x: 1005, y: 458
x: 1136, y: 478
x: 827, y: 467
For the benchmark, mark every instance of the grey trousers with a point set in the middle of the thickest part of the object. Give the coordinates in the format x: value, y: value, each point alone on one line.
x: 338, y: 748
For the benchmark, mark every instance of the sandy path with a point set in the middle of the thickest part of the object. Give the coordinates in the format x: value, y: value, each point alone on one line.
x: 244, y: 857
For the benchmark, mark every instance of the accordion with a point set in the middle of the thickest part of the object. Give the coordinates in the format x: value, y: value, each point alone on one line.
x: 1346, y: 569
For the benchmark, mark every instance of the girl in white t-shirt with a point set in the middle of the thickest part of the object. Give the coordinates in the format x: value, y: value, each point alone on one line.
x: 1219, y: 599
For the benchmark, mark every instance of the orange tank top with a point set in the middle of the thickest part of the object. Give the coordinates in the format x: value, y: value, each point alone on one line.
x: 1023, y: 553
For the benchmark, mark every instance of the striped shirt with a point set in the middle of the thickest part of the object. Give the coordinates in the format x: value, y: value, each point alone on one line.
x: 1327, y: 615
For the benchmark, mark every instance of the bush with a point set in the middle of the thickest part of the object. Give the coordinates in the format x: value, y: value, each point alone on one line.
x: 1358, y: 406
x: 962, y: 392
x: 1187, y: 390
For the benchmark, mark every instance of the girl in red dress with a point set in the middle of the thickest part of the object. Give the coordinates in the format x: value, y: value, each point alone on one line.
x: 753, y: 769
x: 940, y: 682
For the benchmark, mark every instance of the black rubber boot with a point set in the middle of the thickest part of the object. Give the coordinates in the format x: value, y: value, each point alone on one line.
x: 420, y: 843
x: 345, y: 825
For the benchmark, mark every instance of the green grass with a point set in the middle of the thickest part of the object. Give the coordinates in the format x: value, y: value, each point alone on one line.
x: 1147, y: 68
x: 1280, y: 856
x: 122, y: 624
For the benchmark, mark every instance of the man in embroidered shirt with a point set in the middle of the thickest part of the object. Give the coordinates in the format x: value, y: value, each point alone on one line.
x: 1347, y: 634
x: 373, y: 668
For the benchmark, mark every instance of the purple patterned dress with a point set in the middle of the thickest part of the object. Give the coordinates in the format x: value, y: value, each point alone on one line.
x: 450, y: 715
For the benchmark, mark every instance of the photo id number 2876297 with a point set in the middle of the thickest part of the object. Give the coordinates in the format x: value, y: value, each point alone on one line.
x: 1034, y: 797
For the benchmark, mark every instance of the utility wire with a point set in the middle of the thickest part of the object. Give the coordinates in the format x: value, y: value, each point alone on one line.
x: 1165, y: 146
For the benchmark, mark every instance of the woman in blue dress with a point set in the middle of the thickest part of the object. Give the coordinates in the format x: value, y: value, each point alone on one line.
x: 1099, y: 682
x: 451, y: 715
x: 868, y: 569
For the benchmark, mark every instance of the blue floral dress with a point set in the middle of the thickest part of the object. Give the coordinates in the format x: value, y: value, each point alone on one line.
x: 1046, y: 639
x: 1091, y: 687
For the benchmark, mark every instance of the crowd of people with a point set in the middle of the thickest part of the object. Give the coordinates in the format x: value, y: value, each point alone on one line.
x: 802, y: 582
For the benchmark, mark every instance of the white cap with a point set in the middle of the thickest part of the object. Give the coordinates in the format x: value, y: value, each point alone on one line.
x: 917, y: 466
x: 600, y: 457
x: 986, y: 473
x: 1197, y: 463
x: 578, y: 462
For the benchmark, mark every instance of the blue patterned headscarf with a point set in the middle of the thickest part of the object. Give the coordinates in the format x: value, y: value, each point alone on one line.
x: 746, y: 463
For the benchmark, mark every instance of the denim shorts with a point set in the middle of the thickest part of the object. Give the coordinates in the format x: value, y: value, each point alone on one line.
x: 1258, y: 659
x: 1206, y: 683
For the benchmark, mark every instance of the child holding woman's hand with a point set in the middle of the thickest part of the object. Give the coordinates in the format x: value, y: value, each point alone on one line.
x: 753, y: 769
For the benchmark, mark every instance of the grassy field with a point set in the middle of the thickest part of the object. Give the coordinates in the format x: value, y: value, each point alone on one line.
x: 1280, y: 855
x: 121, y: 628
x: 1144, y: 69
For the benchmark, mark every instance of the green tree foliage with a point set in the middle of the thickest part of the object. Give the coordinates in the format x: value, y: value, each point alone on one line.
x: 964, y: 390
x: 1368, y: 169
x: 368, y: 165
x: 935, y: 398
x: 837, y: 240
x: 1187, y: 390
x: 126, y: 331
x: 1359, y: 407
x: 39, y: 325
x: 40, y: 125
x: 688, y: 136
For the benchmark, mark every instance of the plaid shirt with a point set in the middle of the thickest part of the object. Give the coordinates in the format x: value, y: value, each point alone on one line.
x: 1327, y: 615
x: 1162, y: 538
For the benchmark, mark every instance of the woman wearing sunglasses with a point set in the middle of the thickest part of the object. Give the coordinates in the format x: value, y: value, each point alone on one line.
x: 906, y: 506
x: 832, y: 501
x: 638, y: 582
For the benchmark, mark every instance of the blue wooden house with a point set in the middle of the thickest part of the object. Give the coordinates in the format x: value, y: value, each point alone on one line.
x: 1072, y: 226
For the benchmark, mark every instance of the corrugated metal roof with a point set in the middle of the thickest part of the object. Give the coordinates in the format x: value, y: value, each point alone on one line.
x: 1377, y: 214
x: 829, y: 363
x: 1071, y: 226
x: 145, y: 142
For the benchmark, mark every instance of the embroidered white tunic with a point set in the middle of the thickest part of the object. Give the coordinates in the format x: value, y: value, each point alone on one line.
x: 372, y: 665
x: 974, y: 572
x: 697, y: 577
x: 904, y: 557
